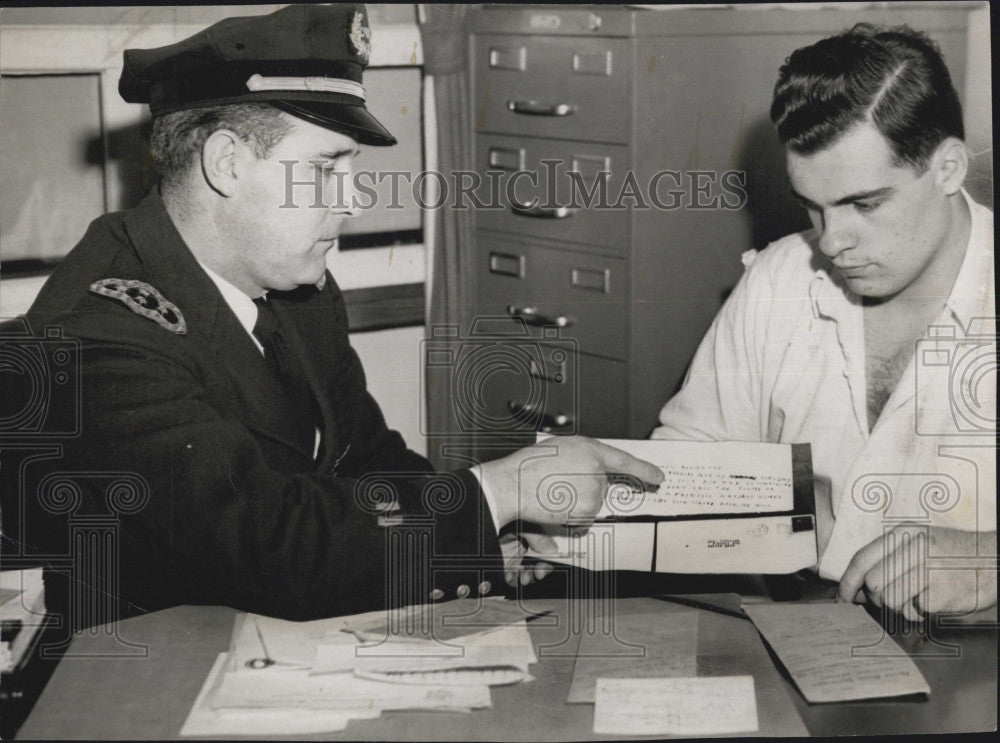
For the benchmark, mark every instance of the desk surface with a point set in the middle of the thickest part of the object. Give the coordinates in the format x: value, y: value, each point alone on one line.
x: 97, y: 692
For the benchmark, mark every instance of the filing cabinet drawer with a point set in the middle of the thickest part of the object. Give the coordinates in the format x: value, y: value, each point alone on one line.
x: 584, y: 295
x: 566, y: 87
x: 545, y: 200
x: 587, y: 398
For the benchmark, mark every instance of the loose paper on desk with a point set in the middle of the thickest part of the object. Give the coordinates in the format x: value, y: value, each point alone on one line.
x: 203, y: 720
x: 296, y: 688
x: 675, y: 706
x: 704, y: 478
x: 635, y: 646
x: 836, y: 652
x: 289, y: 644
x: 494, y: 656
x: 440, y: 621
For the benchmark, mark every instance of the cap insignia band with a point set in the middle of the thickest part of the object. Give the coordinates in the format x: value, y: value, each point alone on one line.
x: 317, y: 84
x: 143, y: 299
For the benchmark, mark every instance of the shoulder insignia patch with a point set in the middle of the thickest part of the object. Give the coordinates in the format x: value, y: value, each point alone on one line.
x: 143, y: 299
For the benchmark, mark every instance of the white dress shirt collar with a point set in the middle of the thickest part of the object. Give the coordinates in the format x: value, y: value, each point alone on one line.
x: 241, y: 305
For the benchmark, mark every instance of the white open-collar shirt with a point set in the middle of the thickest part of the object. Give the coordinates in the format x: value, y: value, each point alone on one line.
x: 784, y: 361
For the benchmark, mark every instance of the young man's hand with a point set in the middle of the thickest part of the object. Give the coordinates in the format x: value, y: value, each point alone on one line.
x: 892, y: 571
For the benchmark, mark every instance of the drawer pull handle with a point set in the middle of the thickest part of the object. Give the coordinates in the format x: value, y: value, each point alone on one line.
x: 505, y: 264
x: 541, y: 212
x: 531, y: 316
x: 546, y: 421
x: 536, y: 108
x: 591, y: 279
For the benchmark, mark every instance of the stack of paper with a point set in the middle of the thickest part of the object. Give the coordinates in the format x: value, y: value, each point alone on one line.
x: 283, y: 677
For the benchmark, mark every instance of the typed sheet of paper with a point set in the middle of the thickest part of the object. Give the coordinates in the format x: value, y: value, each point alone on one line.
x: 719, y: 477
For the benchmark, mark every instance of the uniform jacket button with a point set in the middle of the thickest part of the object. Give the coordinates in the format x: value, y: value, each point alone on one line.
x: 485, y: 587
x: 462, y: 591
x: 437, y: 594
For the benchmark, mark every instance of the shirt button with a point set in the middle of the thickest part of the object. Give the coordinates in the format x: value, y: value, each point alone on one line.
x: 437, y: 594
x: 462, y: 591
x: 485, y: 587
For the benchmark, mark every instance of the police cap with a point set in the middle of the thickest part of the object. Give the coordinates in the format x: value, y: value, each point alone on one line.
x: 306, y: 60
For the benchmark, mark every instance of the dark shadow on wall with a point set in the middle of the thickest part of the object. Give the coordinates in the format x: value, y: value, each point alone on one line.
x: 129, y: 163
x: 772, y: 209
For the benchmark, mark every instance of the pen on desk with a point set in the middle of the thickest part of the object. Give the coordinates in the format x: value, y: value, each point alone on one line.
x: 539, y: 615
x: 266, y: 660
x: 695, y: 603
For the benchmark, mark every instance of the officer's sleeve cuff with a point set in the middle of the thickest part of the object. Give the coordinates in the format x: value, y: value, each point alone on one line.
x: 477, y: 472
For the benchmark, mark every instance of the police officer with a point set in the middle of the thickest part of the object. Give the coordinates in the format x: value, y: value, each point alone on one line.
x: 216, y: 369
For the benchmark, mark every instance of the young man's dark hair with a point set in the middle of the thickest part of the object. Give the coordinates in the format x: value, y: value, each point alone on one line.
x: 893, y: 77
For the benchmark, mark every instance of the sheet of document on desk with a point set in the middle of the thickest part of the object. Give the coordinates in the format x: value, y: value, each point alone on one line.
x: 292, y: 644
x: 676, y: 706
x: 636, y: 646
x: 829, y: 650
x: 507, y: 648
x: 204, y: 720
x: 295, y: 688
x: 704, y: 478
x: 440, y: 621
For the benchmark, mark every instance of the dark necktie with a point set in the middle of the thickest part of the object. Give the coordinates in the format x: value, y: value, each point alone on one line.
x: 286, y: 369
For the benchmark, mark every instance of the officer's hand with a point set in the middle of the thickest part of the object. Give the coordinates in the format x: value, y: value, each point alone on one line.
x: 515, y: 546
x: 560, y: 480
x: 892, y: 571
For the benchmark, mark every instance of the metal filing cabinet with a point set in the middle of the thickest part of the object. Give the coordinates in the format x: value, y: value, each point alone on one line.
x: 611, y: 303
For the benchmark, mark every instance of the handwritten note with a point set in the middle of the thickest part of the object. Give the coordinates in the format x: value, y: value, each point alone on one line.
x: 724, y: 477
x: 675, y: 706
x: 836, y: 652
x: 636, y: 646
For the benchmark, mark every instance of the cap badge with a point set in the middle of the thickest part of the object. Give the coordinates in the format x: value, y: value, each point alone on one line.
x: 360, y: 37
x: 143, y: 299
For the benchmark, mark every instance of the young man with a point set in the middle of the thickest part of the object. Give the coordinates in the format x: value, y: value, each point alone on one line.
x: 225, y: 425
x: 826, y: 337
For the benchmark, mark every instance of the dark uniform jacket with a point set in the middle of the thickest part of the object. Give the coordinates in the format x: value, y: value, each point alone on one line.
x: 195, y: 474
